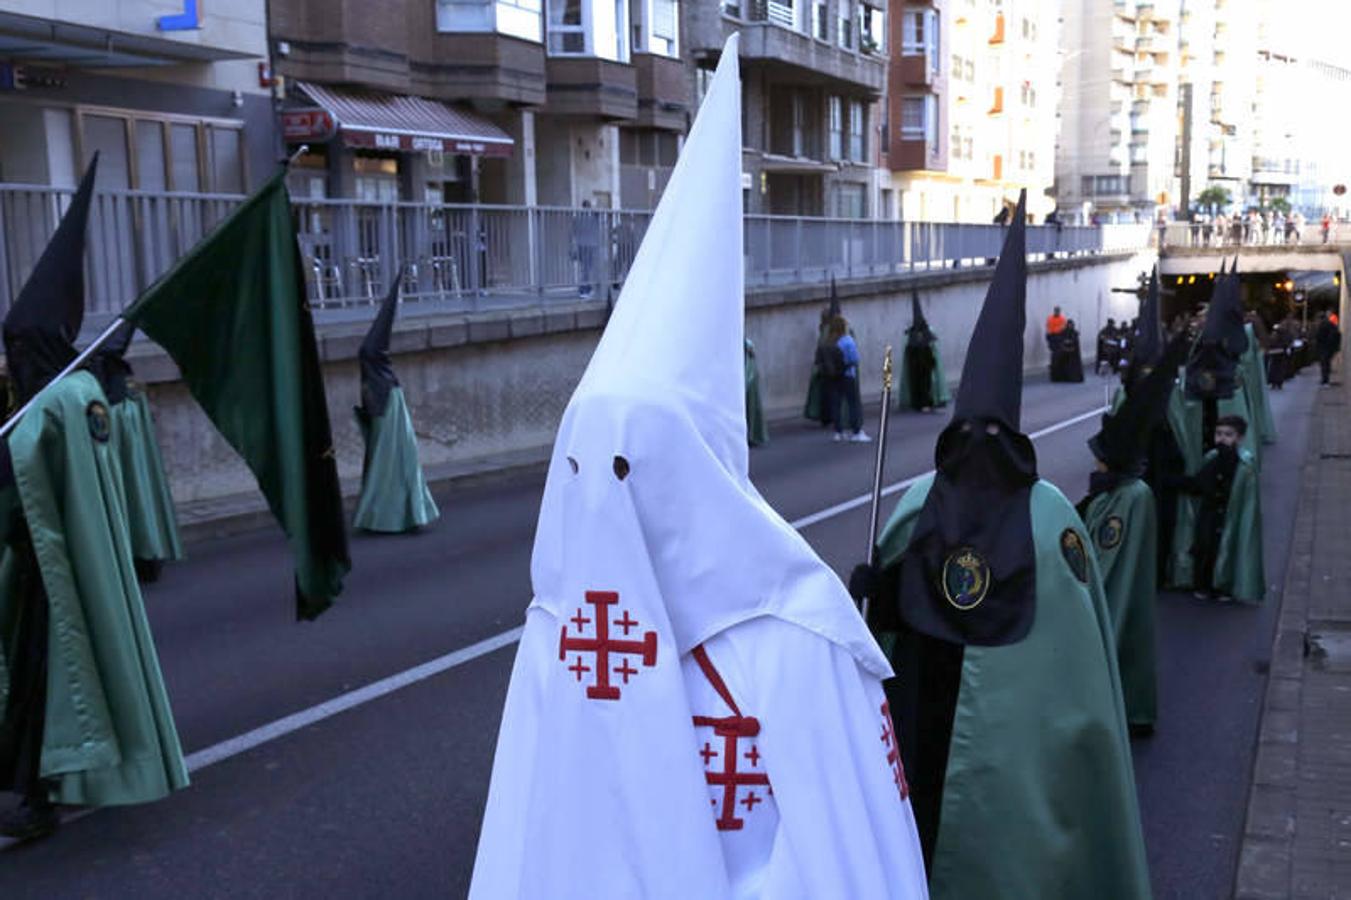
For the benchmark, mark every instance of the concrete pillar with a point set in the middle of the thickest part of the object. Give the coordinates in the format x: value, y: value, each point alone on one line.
x: 522, y: 186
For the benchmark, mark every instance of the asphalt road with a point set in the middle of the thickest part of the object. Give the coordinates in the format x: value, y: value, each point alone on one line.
x: 384, y: 799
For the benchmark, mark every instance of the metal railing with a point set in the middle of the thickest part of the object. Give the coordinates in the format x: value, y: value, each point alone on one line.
x: 458, y: 258
x: 1247, y: 233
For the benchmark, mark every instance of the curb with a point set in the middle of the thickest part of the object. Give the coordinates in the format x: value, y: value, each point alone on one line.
x: 1266, y: 852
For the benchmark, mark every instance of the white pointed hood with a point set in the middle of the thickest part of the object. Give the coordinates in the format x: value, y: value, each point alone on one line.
x: 662, y: 404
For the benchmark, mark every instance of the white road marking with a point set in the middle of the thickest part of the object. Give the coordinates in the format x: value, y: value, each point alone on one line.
x: 361, y: 696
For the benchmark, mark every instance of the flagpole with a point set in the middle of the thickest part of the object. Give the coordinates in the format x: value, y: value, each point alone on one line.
x: 98, y: 342
x: 74, y: 364
x: 874, y: 515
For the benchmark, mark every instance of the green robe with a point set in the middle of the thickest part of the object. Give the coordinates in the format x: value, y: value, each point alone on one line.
x: 1122, y: 524
x: 150, y: 505
x: 1255, y: 380
x: 1245, y: 402
x: 110, y: 737
x: 938, y: 384
x: 757, y: 432
x: 1185, y: 422
x: 1239, y: 569
x: 1039, y: 798
x: 394, y: 495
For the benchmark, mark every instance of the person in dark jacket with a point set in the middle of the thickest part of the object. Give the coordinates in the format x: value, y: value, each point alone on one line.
x: 1328, y: 343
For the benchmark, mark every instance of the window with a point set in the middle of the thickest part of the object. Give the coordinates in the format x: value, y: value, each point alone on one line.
x: 165, y: 153
x: 820, y: 20
x: 836, y: 115
x: 857, y: 123
x: 799, y: 123
x: 850, y: 201
x: 516, y: 18
x: 919, y: 118
x: 846, y: 25
x: 596, y: 28
x: 655, y: 28
x: 1099, y: 185
x: 915, y: 31
x: 872, y: 28
x: 566, y: 32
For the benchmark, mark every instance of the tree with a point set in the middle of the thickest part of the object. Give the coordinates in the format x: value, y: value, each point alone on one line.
x: 1214, y: 197
x: 1280, y: 205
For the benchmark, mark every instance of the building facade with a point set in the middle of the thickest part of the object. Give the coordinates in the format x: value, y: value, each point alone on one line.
x: 812, y: 73
x: 972, y: 97
x: 1118, y: 150
x: 524, y: 102
x: 170, y: 100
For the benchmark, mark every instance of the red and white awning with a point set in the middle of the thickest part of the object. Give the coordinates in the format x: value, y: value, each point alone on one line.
x: 376, y: 120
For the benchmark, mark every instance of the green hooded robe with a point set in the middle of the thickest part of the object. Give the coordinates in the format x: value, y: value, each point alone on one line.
x: 109, y: 737
x: 1239, y: 569
x: 1039, y: 797
x: 1255, y: 381
x: 938, y: 382
x: 1122, y: 525
x: 394, y: 494
x: 1184, y: 420
x: 150, y: 505
x: 757, y: 432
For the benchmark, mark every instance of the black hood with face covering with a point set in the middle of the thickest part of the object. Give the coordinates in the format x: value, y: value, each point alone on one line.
x: 976, y: 523
x: 377, y: 374
x: 1147, y: 344
x: 44, y: 321
x: 1212, y: 370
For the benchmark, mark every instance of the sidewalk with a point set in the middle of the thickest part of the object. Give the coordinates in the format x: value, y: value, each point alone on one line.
x: 1297, y: 841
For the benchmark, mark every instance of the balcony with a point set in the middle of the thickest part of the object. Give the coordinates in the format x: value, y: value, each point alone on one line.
x: 774, y: 35
x: 480, y: 67
x: 663, y: 92
x: 592, y: 87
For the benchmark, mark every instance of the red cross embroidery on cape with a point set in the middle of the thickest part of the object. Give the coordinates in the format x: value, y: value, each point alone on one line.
x: 723, y: 767
x: 893, y: 751
x: 603, y: 646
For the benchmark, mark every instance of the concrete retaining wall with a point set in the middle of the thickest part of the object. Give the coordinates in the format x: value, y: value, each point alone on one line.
x: 493, y: 386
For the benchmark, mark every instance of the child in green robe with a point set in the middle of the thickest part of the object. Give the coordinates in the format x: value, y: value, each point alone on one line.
x: 1227, y: 548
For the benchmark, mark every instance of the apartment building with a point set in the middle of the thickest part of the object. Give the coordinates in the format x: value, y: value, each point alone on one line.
x: 972, y: 107
x: 172, y: 100
x: 812, y: 73
x: 549, y: 102
x: 1117, y: 156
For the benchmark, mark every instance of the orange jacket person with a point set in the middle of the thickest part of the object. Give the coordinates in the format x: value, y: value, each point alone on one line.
x: 1055, y: 322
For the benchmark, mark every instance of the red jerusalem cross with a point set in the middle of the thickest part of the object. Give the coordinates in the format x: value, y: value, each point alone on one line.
x: 603, y: 646
x: 893, y: 752
x: 731, y: 729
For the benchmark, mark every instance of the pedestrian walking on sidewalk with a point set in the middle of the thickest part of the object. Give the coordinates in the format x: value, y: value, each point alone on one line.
x: 585, y: 244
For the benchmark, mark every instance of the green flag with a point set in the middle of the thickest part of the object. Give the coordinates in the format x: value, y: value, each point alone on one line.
x: 233, y: 316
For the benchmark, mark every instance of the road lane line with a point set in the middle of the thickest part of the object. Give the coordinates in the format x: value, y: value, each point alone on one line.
x: 350, y: 700
x: 287, y: 725
x: 840, y: 509
x: 303, y: 719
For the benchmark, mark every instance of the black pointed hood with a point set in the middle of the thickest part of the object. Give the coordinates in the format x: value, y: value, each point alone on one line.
x: 1149, y: 339
x: 110, y: 366
x: 44, y: 321
x: 834, y: 309
x: 919, y: 334
x: 969, y: 573
x: 992, y: 375
x: 1124, y: 438
x: 1213, y: 365
x: 377, y: 375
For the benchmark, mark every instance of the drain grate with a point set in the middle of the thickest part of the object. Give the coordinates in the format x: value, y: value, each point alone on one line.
x: 1334, y: 456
